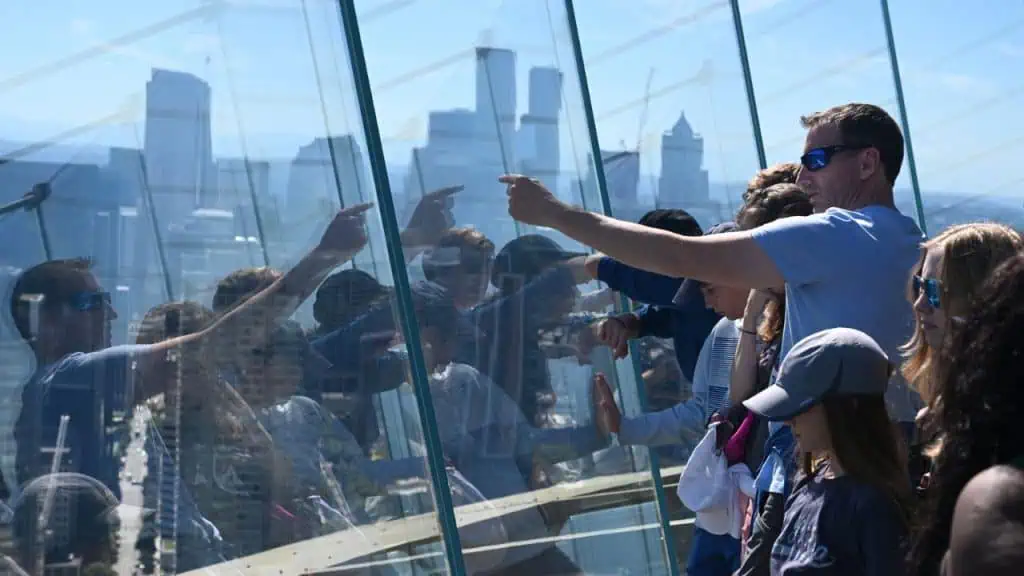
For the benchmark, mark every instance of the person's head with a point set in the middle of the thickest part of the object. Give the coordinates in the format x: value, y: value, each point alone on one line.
x: 89, y: 529
x: 437, y: 319
x: 784, y: 173
x: 241, y: 285
x: 158, y: 372
x: 345, y: 296
x: 524, y: 259
x: 852, y: 156
x: 675, y: 220
x: 461, y: 262
x: 724, y: 300
x: 58, y: 308
x: 830, y: 388
x: 763, y: 205
x: 952, y: 267
x: 979, y: 416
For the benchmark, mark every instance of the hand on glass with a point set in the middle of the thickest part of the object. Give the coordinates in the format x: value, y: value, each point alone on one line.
x: 432, y: 216
x: 606, y: 412
x: 530, y: 201
x: 615, y: 332
x: 346, y: 234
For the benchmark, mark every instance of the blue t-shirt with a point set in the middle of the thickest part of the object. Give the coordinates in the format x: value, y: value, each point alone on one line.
x: 88, y: 388
x: 839, y: 526
x: 849, y: 268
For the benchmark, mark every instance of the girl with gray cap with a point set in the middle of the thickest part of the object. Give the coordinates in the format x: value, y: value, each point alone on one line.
x: 848, y: 511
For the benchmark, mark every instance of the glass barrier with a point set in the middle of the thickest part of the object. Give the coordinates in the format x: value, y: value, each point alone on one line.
x: 671, y: 108
x: 802, y: 62
x: 185, y: 165
x: 963, y: 108
x: 486, y: 89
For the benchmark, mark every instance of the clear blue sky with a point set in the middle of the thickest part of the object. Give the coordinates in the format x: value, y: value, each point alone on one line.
x: 962, y: 69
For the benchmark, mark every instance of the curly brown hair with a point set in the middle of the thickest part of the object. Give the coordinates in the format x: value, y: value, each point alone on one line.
x: 982, y: 403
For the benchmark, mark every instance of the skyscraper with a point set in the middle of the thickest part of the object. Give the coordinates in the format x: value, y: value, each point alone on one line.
x: 327, y: 174
x: 496, y: 105
x: 178, y: 144
x: 683, y: 183
x: 538, y: 142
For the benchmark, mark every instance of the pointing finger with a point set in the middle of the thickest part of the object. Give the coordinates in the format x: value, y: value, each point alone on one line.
x: 446, y: 191
x: 511, y: 178
x: 356, y: 210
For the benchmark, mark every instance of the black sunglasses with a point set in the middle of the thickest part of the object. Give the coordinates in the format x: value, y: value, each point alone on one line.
x: 818, y: 158
x: 88, y: 301
x: 932, y: 290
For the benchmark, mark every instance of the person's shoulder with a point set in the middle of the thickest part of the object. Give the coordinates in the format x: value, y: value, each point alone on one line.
x: 115, y: 357
x: 461, y: 372
x: 726, y: 328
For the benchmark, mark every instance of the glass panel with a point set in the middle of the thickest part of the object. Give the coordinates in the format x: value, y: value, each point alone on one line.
x: 964, y: 109
x: 462, y: 96
x: 803, y: 62
x: 672, y: 116
x: 186, y: 147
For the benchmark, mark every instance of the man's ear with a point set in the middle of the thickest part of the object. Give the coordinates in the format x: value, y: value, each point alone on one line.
x: 870, y: 163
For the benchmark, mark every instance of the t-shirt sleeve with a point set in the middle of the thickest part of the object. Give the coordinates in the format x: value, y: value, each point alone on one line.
x: 882, y: 535
x: 805, y: 249
x: 108, y: 370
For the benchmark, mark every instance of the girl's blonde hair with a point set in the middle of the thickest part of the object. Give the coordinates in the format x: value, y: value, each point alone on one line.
x: 970, y: 253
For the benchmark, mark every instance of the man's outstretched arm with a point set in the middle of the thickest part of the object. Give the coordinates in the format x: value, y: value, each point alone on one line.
x: 732, y: 259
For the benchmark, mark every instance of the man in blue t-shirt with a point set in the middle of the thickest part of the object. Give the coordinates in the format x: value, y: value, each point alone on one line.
x: 64, y: 316
x: 845, y: 265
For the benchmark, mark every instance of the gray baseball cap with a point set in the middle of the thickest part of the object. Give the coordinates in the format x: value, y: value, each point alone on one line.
x: 840, y: 361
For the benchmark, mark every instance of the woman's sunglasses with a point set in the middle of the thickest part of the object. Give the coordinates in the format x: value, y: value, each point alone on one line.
x: 819, y: 158
x: 932, y: 290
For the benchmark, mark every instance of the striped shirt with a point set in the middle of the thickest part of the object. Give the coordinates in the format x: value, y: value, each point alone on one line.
x: 686, y: 422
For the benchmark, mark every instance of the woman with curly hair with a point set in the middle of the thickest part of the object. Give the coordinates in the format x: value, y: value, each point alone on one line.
x: 973, y: 518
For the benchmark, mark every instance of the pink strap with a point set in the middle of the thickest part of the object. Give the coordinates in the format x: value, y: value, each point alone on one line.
x: 735, y: 448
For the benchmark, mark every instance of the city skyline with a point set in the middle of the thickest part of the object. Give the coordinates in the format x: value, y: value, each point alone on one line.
x: 224, y: 47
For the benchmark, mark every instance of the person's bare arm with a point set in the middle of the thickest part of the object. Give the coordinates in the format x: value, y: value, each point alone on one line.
x: 248, y: 325
x: 988, y: 525
x: 731, y: 259
x: 744, y: 364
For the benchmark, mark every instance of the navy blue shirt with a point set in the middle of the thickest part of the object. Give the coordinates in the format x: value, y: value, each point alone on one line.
x: 839, y: 526
x: 687, y: 326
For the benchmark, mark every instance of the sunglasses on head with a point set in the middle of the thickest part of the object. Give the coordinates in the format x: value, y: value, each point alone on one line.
x: 932, y: 290
x: 818, y: 158
x: 88, y: 301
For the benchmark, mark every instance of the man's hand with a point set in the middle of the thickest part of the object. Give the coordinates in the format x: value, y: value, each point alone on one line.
x: 531, y: 202
x: 616, y: 332
x: 431, y: 217
x: 606, y: 413
x: 346, y: 234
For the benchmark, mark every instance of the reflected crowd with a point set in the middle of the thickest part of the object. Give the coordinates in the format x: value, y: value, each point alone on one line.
x: 854, y: 381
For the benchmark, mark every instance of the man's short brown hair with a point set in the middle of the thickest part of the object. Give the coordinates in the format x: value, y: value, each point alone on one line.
x: 783, y: 173
x: 241, y: 285
x: 54, y: 281
x: 864, y: 125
